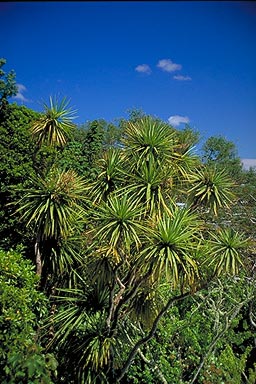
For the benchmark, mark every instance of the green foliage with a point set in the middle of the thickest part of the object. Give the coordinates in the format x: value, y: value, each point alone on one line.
x: 202, y: 323
x: 222, y: 153
x: 93, y: 145
x: 135, y: 115
x: 44, y: 159
x: 73, y: 156
x: 147, y: 185
x: 86, y: 146
x: 229, y: 368
x: 112, y: 136
x: 16, y: 164
x: 244, y: 212
x: 119, y: 222
x: 22, y: 309
x: 218, y: 149
x: 51, y: 204
x: 123, y: 221
x: 80, y: 335
x: 8, y: 85
x: 188, y: 138
x: 109, y: 177
x: 170, y: 248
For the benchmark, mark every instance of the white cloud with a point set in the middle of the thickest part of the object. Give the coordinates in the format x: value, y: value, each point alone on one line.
x: 182, y: 78
x: 20, y: 96
x: 247, y: 163
x: 143, y: 68
x: 168, y: 66
x: 177, y: 120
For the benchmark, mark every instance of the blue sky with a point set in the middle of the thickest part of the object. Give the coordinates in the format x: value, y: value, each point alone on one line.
x: 182, y: 61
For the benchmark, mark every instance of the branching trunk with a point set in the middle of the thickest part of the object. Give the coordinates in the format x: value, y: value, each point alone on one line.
x: 114, y: 301
x: 120, y: 298
x: 126, y: 296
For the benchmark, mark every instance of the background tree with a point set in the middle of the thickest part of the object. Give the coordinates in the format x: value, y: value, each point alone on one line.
x: 245, y: 210
x: 86, y: 146
x: 16, y: 163
x: 93, y: 145
x: 222, y: 153
x: 8, y: 85
x: 73, y: 155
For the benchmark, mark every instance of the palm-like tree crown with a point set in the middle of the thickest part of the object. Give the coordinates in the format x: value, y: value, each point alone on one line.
x: 55, y: 125
x: 150, y: 186
x: 51, y: 205
x: 172, y: 242
x: 118, y: 224
x: 211, y: 188
x: 148, y: 139
x: 109, y: 177
x: 226, y: 248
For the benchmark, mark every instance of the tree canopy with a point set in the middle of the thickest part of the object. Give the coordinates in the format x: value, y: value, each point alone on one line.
x: 124, y: 256
x: 8, y: 85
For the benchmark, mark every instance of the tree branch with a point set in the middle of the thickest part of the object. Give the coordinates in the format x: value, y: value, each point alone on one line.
x: 150, y: 335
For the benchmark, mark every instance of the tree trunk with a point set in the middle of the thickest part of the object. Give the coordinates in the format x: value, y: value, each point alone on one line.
x: 38, y: 257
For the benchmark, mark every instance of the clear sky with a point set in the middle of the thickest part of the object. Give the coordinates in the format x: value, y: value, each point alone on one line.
x: 182, y: 61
